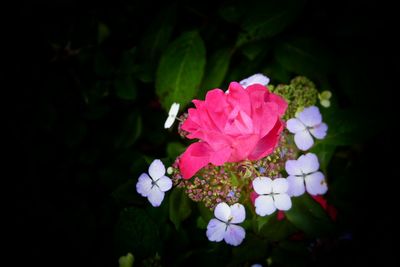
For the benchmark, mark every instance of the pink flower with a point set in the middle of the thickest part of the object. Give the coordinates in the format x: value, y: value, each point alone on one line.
x: 243, y: 124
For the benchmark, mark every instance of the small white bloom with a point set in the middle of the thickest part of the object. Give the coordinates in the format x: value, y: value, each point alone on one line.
x: 154, y: 186
x: 173, y: 112
x: 256, y: 78
x: 256, y: 265
x: 304, y: 175
x: 307, y: 123
x: 272, y: 195
x: 224, y: 226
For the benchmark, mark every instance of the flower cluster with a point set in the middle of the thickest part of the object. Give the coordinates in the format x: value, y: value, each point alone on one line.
x: 251, y: 149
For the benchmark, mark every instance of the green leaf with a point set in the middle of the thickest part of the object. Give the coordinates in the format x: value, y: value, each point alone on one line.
x: 273, y: 229
x: 216, y: 70
x: 136, y: 232
x: 255, y: 50
x: 158, y: 34
x: 126, y: 261
x: 324, y: 152
x: 267, y: 19
x: 304, y: 56
x: 179, y: 207
x: 307, y: 215
x: 174, y: 149
x: 125, y: 87
x: 277, y: 73
x: 180, y: 70
x: 131, y: 129
x: 102, y: 32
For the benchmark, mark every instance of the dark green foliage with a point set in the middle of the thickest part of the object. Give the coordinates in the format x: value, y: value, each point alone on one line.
x: 97, y: 81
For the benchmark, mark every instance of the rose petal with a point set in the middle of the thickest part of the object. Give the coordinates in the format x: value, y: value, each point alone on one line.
x: 296, y: 186
x: 164, y: 183
x: 196, y: 156
x: 143, y: 185
x: 262, y: 185
x: 222, y: 211
x: 316, y: 184
x: 308, y: 163
x: 155, y: 196
x: 295, y: 125
x: 215, y: 230
x: 280, y: 185
x: 234, y: 235
x: 319, y: 131
x: 267, y: 144
x: 264, y: 205
x: 303, y: 140
x: 238, y: 97
x: 156, y: 169
x: 282, y: 202
x: 310, y: 116
x: 238, y: 213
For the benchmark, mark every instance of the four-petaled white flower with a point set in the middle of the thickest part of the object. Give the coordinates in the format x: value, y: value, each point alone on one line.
x: 272, y: 195
x: 154, y: 186
x: 256, y: 78
x: 224, y: 226
x: 304, y: 175
x: 307, y: 122
x: 173, y: 112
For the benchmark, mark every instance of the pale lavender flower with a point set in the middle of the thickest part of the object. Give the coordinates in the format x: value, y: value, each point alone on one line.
x: 272, y: 195
x: 307, y: 123
x: 256, y: 78
x: 304, y: 176
x: 154, y: 186
x: 224, y: 226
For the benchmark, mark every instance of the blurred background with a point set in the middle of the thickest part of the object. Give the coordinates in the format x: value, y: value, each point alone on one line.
x: 92, y: 103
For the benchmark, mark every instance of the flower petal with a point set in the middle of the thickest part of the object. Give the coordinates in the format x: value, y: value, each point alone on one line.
x: 296, y: 186
x: 280, y: 185
x: 256, y: 78
x: 173, y: 111
x: 143, y: 185
x: 156, y: 169
x: 196, y: 156
x: 319, y: 131
x: 295, y: 125
x: 282, y: 202
x: 222, y: 211
x: 155, y: 196
x: 238, y: 213
x: 293, y: 167
x: 310, y: 116
x: 264, y: 205
x: 316, y: 184
x: 215, y: 230
x: 303, y: 140
x: 308, y: 163
x: 164, y: 183
x: 168, y: 123
x: 234, y: 235
x: 262, y: 185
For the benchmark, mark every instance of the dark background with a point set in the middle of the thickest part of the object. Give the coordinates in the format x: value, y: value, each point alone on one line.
x: 77, y: 139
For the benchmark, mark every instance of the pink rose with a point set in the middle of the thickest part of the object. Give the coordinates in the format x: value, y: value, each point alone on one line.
x: 242, y: 124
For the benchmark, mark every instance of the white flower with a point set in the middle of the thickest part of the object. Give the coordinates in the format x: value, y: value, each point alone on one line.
x: 256, y: 265
x: 154, y: 186
x: 224, y: 226
x: 307, y: 123
x: 173, y: 112
x: 272, y: 195
x: 256, y: 78
x: 304, y: 175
